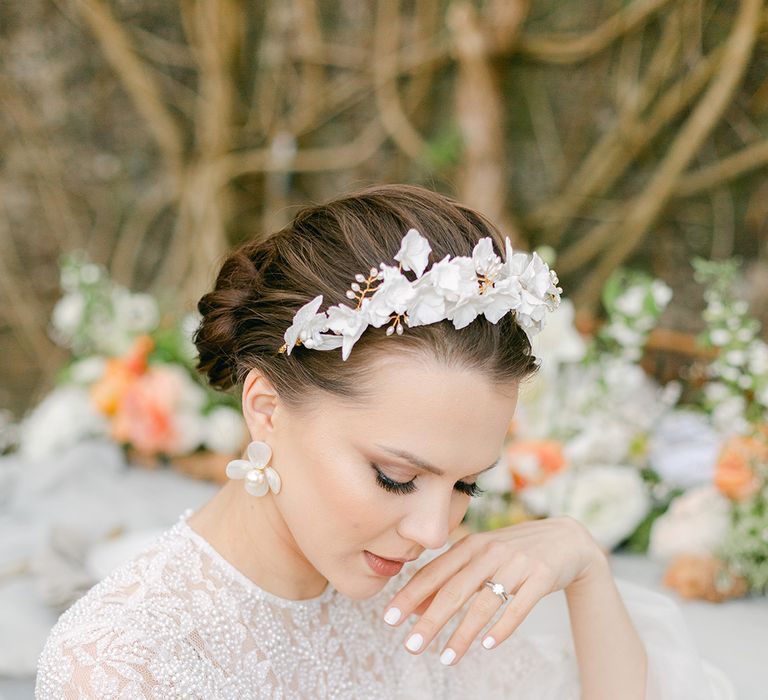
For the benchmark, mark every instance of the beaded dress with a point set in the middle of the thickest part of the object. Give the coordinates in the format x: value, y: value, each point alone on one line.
x: 180, y: 621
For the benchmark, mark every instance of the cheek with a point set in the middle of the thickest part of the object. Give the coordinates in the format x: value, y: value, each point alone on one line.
x: 459, y: 507
x: 354, y: 507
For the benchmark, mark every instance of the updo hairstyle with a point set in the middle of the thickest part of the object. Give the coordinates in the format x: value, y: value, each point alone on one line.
x: 263, y: 283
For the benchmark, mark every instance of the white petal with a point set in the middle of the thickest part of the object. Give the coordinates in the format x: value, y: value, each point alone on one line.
x: 304, y: 317
x: 238, y: 468
x: 274, y: 479
x: 259, y: 454
x: 414, y: 252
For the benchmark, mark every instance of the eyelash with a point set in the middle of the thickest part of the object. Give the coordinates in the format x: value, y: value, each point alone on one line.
x: 408, y: 486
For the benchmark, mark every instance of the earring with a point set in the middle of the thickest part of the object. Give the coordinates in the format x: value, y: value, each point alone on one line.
x: 258, y: 479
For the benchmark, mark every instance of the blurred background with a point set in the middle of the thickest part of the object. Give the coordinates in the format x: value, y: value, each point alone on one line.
x: 155, y: 135
x: 623, y: 140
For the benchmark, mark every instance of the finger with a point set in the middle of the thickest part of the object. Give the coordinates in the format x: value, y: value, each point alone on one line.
x: 424, y: 605
x: 426, y: 581
x: 450, y: 598
x: 481, y: 611
x: 532, y: 590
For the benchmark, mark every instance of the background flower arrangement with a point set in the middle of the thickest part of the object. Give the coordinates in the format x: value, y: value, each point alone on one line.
x: 130, y: 377
x: 677, y: 471
x: 734, y: 396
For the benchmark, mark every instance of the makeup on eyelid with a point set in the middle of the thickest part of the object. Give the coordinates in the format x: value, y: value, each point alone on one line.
x: 389, y: 484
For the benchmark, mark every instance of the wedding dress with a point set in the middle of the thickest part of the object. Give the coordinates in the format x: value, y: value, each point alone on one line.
x: 179, y: 621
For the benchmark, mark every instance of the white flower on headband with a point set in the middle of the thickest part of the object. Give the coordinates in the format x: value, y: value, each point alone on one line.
x: 458, y: 289
x: 414, y: 252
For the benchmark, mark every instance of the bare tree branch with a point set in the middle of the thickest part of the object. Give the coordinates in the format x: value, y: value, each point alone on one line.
x: 644, y: 208
x: 674, y: 100
x: 393, y: 118
x: 118, y: 50
x: 737, y: 164
x: 566, y: 48
x: 479, y: 111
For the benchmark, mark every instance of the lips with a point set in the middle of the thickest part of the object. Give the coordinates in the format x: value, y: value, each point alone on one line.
x: 402, y: 560
x: 381, y: 566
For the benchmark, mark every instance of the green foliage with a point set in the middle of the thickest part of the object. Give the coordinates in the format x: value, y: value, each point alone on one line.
x: 745, y: 549
x: 444, y: 149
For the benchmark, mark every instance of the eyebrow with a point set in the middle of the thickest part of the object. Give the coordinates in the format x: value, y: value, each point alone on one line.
x: 422, y: 464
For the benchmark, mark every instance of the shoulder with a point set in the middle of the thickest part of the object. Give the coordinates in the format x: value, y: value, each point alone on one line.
x: 128, y: 636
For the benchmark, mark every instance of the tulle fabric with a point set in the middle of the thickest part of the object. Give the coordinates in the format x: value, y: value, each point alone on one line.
x: 675, y: 669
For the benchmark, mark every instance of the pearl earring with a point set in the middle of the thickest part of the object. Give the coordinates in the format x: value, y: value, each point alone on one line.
x: 258, y: 479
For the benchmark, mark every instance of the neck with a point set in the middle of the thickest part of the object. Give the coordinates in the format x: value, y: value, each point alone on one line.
x: 251, y: 534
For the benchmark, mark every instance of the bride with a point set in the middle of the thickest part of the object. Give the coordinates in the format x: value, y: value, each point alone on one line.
x: 323, y: 568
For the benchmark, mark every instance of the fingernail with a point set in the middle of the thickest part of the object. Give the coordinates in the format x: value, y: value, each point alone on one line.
x: 447, y: 656
x: 414, y: 642
x: 392, y: 616
x: 488, y: 642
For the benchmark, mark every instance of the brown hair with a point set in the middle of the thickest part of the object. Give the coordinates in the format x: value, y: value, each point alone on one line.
x: 262, y: 284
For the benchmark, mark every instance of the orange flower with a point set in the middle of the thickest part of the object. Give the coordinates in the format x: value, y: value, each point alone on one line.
x: 696, y: 577
x: 735, y: 475
x: 119, y: 374
x: 145, y: 413
x: 532, y: 462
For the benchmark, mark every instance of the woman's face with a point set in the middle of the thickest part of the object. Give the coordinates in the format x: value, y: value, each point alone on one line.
x: 332, y: 501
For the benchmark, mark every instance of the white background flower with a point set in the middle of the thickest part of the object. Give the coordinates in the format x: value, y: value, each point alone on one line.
x: 67, y: 314
x: 683, y: 448
x: 225, y: 430
x: 610, y: 501
x: 695, y: 523
x: 62, y: 419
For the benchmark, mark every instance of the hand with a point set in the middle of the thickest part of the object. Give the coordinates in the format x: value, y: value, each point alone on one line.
x: 531, y: 560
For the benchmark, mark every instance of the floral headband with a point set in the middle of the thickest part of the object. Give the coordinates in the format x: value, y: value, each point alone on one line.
x: 458, y: 289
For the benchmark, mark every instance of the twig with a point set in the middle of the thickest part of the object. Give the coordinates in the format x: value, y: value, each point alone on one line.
x: 312, y: 87
x: 22, y: 306
x: 728, y: 168
x: 674, y: 100
x: 63, y: 223
x: 567, y: 48
x: 393, y: 118
x: 318, y: 159
x: 161, y: 50
x: 480, y: 115
x: 117, y: 49
x: 199, y: 234
x: 644, y: 208
x: 614, y: 152
x: 129, y: 241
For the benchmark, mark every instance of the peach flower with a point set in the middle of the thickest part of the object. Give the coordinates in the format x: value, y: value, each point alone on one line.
x: 698, y: 577
x: 145, y: 413
x: 532, y: 462
x: 119, y: 375
x: 735, y: 475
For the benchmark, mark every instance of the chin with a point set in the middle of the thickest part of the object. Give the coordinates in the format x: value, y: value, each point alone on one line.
x: 359, y: 584
x: 363, y: 589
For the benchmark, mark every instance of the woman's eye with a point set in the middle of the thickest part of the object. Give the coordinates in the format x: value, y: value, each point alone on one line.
x: 408, y: 486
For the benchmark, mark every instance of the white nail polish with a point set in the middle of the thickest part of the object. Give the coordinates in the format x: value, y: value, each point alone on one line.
x: 488, y: 642
x: 447, y: 657
x: 392, y: 616
x: 414, y: 642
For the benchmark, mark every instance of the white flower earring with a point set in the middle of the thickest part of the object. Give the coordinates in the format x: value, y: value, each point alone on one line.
x: 259, y: 478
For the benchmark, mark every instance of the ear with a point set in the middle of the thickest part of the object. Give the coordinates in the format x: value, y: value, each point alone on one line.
x: 259, y: 403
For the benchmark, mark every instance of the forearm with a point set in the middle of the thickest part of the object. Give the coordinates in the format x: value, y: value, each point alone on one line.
x: 610, y: 654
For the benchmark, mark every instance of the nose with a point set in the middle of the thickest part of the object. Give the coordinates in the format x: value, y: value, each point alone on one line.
x: 428, y: 523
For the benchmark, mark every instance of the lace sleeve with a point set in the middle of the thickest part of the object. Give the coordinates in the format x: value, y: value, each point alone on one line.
x: 101, y: 659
